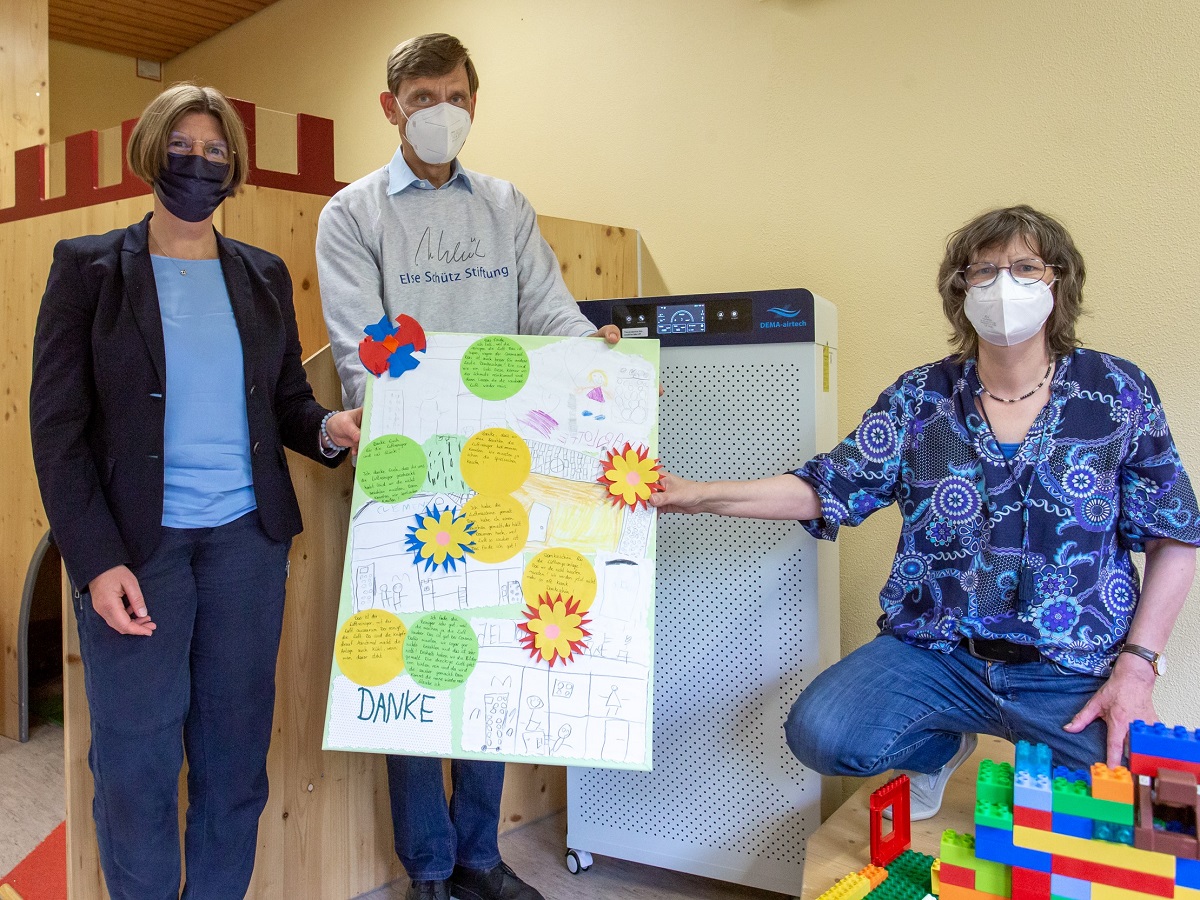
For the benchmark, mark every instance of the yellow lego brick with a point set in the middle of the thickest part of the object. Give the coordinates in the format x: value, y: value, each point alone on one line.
x: 874, y: 874
x: 1112, y: 784
x: 1108, y: 892
x: 1185, y: 893
x: 8, y: 892
x: 1120, y: 855
x: 935, y: 872
x: 852, y: 887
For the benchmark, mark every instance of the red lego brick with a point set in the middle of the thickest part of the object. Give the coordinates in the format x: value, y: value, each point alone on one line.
x: 896, y: 795
x: 1142, y: 764
x: 1029, y: 884
x: 1097, y: 873
x: 958, y: 876
x: 1033, y: 818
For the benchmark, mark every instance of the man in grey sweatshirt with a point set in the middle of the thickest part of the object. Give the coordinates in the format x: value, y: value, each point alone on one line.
x: 457, y: 251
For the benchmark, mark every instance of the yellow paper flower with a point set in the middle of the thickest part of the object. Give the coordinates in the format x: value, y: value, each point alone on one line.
x: 555, y: 629
x: 630, y: 475
x: 441, y: 538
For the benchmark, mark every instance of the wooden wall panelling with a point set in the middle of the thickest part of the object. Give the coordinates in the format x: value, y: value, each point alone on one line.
x: 285, y: 223
x: 24, y: 80
x: 598, y: 262
x: 26, y: 246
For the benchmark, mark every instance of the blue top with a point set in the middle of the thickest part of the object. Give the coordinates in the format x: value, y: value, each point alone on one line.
x: 1009, y: 450
x: 1103, y: 477
x: 207, y: 437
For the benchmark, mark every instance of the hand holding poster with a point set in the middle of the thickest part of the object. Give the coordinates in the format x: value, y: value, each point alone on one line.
x: 497, y: 600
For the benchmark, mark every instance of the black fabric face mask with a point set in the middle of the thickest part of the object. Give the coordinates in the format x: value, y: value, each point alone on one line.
x: 191, y: 187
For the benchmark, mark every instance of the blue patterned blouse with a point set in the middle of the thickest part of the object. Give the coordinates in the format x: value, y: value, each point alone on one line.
x: 1096, y: 477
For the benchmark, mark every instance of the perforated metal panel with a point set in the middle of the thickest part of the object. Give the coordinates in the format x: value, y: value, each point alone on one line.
x: 737, y: 614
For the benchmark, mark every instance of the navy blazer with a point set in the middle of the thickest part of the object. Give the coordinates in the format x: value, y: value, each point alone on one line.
x: 98, y: 401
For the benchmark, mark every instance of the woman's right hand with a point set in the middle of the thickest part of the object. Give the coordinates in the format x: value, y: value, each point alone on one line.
x: 117, y: 597
x: 678, y: 495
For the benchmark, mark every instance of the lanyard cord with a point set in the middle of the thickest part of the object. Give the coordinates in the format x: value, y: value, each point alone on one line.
x: 1013, y: 477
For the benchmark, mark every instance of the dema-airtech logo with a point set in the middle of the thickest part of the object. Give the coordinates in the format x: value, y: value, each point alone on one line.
x: 787, y: 315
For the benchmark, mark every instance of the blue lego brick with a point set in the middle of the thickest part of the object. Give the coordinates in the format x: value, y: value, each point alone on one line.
x: 1163, y: 741
x: 1070, y: 888
x: 1111, y: 831
x: 1032, y: 758
x: 1071, y: 775
x: 1187, y: 873
x: 1075, y: 826
x: 1032, y: 791
x: 997, y: 845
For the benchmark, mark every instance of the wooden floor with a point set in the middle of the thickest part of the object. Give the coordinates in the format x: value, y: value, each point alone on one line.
x: 32, y: 802
x: 536, y: 853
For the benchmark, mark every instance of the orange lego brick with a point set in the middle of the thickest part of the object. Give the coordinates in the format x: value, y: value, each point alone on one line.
x: 1112, y: 784
x: 874, y: 874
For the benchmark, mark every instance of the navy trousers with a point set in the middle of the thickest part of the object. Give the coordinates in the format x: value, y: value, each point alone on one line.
x: 203, y: 684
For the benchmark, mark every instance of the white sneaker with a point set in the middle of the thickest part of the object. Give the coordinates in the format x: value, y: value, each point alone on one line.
x: 926, y: 790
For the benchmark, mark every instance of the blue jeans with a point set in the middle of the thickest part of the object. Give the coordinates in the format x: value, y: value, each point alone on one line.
x: 889, y: 705
x: 431, y: 837
x: 204, y: 682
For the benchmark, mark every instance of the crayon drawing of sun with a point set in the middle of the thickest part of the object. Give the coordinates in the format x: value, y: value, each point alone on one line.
x: 554, y: 630
x: 441, y: 538
x: 630, y: 475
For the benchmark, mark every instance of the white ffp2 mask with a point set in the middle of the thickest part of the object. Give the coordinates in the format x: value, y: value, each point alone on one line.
x: 1005, y: 312
x: 437, y: 133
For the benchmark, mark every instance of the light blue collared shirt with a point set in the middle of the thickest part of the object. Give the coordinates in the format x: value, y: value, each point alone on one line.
x: 401, y: 176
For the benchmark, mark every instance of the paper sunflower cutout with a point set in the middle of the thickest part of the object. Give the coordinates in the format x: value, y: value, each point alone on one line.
x: 554, y: 630
x: 441, y: 537
x: 392, y: 349
x: 630, y: 475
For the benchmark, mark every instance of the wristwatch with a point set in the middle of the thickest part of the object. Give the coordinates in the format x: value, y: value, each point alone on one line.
x: 1157, y: 660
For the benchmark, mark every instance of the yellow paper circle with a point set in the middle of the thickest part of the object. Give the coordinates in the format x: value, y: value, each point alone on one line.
x: 560, y: 571
x: 501, y: 526
x: 370, y: 647
x: 495, y: 461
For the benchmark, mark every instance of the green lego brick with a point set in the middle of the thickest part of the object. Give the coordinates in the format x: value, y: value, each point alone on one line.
x: 896, y: 889
x: 1072, y: 797
x: 958, y: 849
x: 994, y: 815
x: 913, y: 868
x: 994, y: 783
x: 993, y: 878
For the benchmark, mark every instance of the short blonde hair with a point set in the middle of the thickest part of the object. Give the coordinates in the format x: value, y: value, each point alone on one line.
x: 429, y: 55
x: 1046, y: 237
x: 147, y: 152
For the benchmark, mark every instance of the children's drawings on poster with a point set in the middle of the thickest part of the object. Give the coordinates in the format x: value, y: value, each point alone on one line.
x: 497, y: 599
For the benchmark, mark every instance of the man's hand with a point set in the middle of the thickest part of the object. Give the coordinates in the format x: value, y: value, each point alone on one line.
x: 117, y: 597
x: 1125, y: 697
x: 345, y: 428
x: 610, y: 333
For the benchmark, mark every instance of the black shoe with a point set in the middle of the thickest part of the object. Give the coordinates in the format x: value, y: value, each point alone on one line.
x: 428, y: 890
x: 497, y: 883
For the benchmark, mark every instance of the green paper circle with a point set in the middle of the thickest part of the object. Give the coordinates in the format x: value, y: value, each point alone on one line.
x: 440, y: 651
x: 495, y: 367
x: 391, y: 468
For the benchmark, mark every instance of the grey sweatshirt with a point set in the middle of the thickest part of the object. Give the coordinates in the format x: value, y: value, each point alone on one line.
x: 468, y: 257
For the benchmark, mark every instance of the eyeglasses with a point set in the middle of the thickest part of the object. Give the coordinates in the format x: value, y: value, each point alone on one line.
x: 1023, y: 271
x: 216, y: 152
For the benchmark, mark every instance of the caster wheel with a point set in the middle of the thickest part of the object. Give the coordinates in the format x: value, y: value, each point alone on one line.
x: 578, y: 861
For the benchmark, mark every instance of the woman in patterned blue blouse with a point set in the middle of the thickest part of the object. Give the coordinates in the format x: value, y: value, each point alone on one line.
x: 1027, y: 471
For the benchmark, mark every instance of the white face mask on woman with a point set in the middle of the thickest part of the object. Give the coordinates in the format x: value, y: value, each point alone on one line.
x: 438, y: 132
x: 1005, y: 312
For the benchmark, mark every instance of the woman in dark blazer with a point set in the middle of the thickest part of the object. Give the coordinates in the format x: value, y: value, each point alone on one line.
x: 167, y: 380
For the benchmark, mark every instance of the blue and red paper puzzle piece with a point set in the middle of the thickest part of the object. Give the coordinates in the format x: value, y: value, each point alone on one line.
x: 392, y: 348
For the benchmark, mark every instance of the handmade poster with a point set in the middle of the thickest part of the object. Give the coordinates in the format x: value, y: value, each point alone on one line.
x: 498, y: 595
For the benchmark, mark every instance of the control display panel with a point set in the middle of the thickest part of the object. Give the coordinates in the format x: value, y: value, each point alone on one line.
x: 753, y: 317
